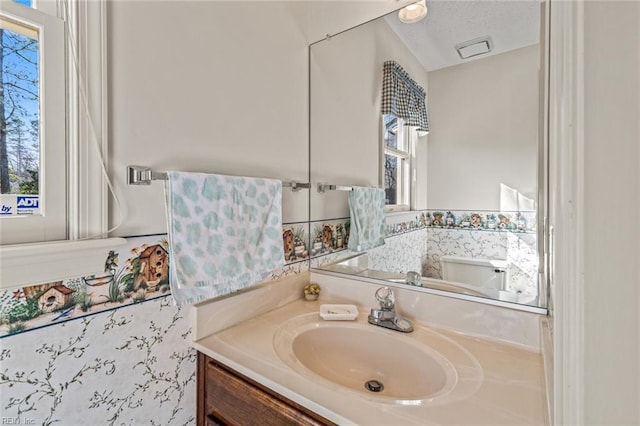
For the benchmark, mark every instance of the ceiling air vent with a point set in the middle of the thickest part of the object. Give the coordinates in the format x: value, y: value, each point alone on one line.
x: 475, y: 47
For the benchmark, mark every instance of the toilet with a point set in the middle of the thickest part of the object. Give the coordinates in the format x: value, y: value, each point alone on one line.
x: 478, y: 272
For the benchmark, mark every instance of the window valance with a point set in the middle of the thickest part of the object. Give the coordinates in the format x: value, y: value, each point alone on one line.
x: 403, y: 97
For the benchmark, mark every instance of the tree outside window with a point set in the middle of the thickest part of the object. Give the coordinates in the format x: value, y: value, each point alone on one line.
x: 396, y: 163
x: 19, y: 111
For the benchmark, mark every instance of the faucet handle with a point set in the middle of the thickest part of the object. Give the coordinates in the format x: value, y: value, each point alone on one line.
x: 386, y: 298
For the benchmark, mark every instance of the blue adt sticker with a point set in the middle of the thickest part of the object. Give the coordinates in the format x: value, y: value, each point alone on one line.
x: 26, y: 202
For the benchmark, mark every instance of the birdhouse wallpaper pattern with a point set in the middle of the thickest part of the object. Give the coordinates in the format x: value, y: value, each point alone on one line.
x: 132, y: 275
x: 326, y: 238
x: 143, y: 275
x: 416, y: 240
x: 81, y: 334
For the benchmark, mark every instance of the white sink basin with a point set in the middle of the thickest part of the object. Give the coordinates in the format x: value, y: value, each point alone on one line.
x: 351, y: 354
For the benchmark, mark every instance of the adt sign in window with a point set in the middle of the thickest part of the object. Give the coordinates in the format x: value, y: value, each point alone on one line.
x: 27, y: 204
x: 12, y: 204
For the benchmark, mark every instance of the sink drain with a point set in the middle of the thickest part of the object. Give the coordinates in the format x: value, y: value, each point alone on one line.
x: 373, y: 385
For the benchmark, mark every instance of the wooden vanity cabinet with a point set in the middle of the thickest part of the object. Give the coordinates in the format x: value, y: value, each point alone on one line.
x: 226, y: 397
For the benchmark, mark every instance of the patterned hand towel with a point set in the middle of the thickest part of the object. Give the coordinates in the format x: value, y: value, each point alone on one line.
x: 366, y: 206
x: 225, y: 233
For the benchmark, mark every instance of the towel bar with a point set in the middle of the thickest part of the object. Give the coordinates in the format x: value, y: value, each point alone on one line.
x: 138, y: 175
x: 322, y: 187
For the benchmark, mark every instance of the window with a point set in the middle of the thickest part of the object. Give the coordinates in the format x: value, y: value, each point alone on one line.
x: 32, y: 120
x: 397, y: 162
x: 71, y: 141
x: 20, y: 166
x: 27, y: 3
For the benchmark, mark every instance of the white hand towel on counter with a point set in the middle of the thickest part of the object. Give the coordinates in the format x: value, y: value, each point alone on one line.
x: 366, y: 207
x: 225, y: 233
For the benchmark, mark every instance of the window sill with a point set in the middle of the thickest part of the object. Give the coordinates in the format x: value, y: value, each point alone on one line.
x: 43, y: 262
x: 396, y: 208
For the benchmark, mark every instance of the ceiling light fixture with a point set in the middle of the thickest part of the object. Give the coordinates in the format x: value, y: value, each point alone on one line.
x: 413, y: 13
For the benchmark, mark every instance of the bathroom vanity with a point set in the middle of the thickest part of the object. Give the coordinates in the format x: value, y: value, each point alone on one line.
x: 226, y: 397
x: 280, y: 360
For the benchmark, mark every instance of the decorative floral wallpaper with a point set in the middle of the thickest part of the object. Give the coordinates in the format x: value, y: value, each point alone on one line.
x: 415, y: 241
x: 518, y: 249
x: 109, y: 348
x: 127, y: 366
x: 400, y: 253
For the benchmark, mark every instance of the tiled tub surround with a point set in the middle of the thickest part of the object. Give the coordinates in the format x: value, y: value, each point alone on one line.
x: 504, y: 342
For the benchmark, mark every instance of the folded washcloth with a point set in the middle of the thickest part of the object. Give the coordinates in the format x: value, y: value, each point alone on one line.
x: 366, y: 206
x: 225, y: 233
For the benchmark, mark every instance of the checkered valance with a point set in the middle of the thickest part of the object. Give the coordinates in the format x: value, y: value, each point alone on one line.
x: 403, y: 97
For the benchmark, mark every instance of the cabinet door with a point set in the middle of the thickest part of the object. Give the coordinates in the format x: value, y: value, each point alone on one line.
x: 230, y: 399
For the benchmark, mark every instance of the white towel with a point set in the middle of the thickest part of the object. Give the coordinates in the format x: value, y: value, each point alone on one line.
x: 225, y: 233
x: 366, y: 206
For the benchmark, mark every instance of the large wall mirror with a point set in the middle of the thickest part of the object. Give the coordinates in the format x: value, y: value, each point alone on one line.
x: 472, y: 228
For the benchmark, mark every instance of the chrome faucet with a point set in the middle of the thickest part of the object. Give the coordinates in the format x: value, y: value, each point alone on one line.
x: 386, y: 316
x: 413, y: 278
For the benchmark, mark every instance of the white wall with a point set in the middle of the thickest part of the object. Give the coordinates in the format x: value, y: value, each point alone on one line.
x: 346, y: 91
x: 612, y: 202
x: 191, y: 88
x: 194, y: 89
x: 484, y: 131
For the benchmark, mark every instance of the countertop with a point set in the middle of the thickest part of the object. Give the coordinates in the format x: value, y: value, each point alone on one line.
x: 511, y: 392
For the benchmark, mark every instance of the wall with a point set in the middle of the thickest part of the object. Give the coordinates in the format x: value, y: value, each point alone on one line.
x: 484, y: 132
x: 127, y: 366
x: 416, y: 240
x: 194, y: 89
x: 191, y: 88
x: 611, y: 204
x: 346, y: 90
x: 517, y: 248
x: 117, y: 351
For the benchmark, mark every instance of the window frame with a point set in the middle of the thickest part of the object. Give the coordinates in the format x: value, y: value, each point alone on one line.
x: 87, y: 119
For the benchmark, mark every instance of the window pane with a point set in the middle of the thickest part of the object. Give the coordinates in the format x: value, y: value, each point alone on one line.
x: 391, y: 179
x: 390, y: 131
x: 19, y: 120
x: 27, y: 3
x: 396, y: 173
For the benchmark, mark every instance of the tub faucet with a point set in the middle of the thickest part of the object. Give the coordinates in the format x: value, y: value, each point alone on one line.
x: 386, y: 316
x: 413, y: 278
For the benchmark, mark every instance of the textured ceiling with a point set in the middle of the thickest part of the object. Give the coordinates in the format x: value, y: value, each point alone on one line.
x: 511, y: 24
